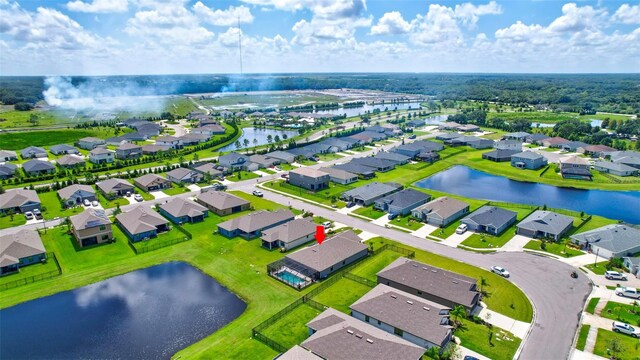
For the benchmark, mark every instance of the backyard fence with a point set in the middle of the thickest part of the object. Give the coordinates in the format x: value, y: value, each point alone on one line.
x: 544, y: 171
x: 155, y: 244
x: 400, y: 250
x: 38, y: 277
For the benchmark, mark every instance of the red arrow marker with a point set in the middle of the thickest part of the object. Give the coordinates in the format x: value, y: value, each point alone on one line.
x: 320, y: 235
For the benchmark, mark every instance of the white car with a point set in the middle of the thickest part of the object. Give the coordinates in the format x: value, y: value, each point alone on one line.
x: 138, y: 197
x: 628, y: 292
x: 614, y: 275
x: 258, y: 193
x: 500, y: 271
x: 326, y: 224
x: 95, y: 203
x: 87, y: 202
x: 128, y: 194
x: 623, y: 328
x: 461, y: 229
x: 28, y: 215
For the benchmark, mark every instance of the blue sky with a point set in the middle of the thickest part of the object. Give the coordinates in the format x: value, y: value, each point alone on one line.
x: 104, y: 37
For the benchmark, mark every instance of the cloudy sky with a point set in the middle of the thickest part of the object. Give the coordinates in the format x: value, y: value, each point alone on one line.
x: 103, y: 37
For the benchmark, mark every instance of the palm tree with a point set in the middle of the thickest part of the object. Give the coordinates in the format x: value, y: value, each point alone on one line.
x: 255, y: 142
x: 246, y: 142
x: 238, y: 145
x: 483, y: 283
x: 269, y: 138
x: 285, y: 136
x: 458, y: 312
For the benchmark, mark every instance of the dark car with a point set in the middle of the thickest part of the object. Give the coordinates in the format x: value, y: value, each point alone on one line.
x: 392, y: 216
x: 412, y: 136
x: 469, y: 357
x: 351, y: 204
x: 37, y: 214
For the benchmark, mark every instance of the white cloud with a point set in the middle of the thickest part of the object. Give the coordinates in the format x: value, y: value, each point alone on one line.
x: 576, y: 18
x: 627, y: 14
x: 321, y: 8
x: 520, y: 32
x: 469, y: 13
x: 391, y: 23
x: 439, y: 25
x: 99, y: 6
x: 231, y: 16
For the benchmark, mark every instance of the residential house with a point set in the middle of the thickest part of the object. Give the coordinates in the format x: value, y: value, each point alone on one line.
x: 402, y: 202
x: 629, y: 158
x: 340, y: 176
x: 378, y: 165
x: 416, y: 123
x: 320, y: 261
x: 338, y: 143
x: 128, y: 151
x: 115, y: 187
x: 615, y: 168
x: 152, y: 182
x: 508, y: 145
x: 447, y: 136
x: 428, y: 282
x: 90, y: 143
x: 428, y: 156
x: 76, y: 194
x: 33, y: 152
x: 222, y: 203
x: 596, y: 150
x: 468, y: 128
x: 367, y: 194
x: 170, y: 141
x: 70, y: 161
x: 65, y: 149
x: 91, y: 227
x: 336, y: 336
x: 545, y: 224
x: 528, y: 160
x: 209, y: 130
x: 147, y: 128
x: 234, y: 161
x: 252, y: 225
x: 209, y: 168
x: 141, y: 223
x: 263, y: 161
x: 184, y: 175
x: 194, y: 139
x: 479, y: 143
x: 101, y: 155
x: 19, y: 248
x: 365, y: 172
x: 8, y: 155
x: 554, y: 142
x: 536, y: 138
x: 617, y: 240
x: 7, y: 170
x: 19, y: 201
x: 38, y: 167
x: 499, y: 155
x: 413, y: 318
x: 289, y: 235
x: 309, y: 178
x: 573, y: 146
x: 575, y: 167
x: 441, y: 211
x: 283, y: 156
x: 413, y: 149
x: 449, y: 125
x: 632, y: 264
x: 520, y: 136
x: 152, y: 149
x: 490, y: 219
x: 397, y: 158
x: 180, y: 210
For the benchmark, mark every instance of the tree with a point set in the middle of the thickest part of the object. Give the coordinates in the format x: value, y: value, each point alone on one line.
x: 196, y: 158
x: 238, y: 145
x: 285, y: 137
x: 458, y: 312
x: 246, y: 143
x: 23, y: 106
x: 269, y: 138
x: 615, y: 347
x: 255, y: 142
x: 33, y: 119
x: 483, y: 283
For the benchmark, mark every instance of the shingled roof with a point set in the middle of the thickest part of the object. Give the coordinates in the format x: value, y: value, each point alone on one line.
x: 141, y: 219
x: 332, y: 251
x: 19, y: 244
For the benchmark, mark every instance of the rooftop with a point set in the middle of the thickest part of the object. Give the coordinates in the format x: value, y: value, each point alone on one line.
x: 332, y: 251
x: 443, y: 206
x: 19, y: 244
x: 141, y: 219
x: 257, y: 220
x: 89, y: 218
x: 546, y: 221
x: 179, y: 207
x: 290, y: 231
x: 617, y: 238
x: 221, y: 200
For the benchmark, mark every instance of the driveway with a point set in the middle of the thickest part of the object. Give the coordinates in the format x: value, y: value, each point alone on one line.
x: 158, y: 194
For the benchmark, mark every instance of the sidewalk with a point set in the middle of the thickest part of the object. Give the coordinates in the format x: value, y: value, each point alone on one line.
x: 425, y: 230
x: 455, y: 239
x: 583, y: 355
x: 517, y: 328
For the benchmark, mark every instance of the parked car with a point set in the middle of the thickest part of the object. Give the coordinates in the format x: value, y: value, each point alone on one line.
x: 412, y: 136
x: 351, y: 204
x: 37, y: 214
x: 469, y: 357
x: 500, y: 271
x: 128, y: 194
x: 614, y: 275
x: 278, y: 168
x: 138, y: 197
x: 461, y: 229
x: 95, y: 203
x: 628, y: 292
x: 258, y: 193
x: 87, y: 202
x: 327, y: 224
x: 218, y: 187
x: 392, y: 216
x: 28, y: 215
x: 284, y: 176
x: 624, y: 328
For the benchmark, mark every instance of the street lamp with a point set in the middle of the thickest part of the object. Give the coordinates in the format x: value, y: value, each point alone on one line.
x: 597, y: 251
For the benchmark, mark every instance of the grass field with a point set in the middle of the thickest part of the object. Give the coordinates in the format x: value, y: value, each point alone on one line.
x: 503, y: 344
x: 7, y: 221
x: 29, y: 271
x: 291, y: 329
x: 622, y: 312
x: 369, y: 212
x: 54, y: 209
x: 175, y: 190
x: 591, y: 306
x: 407, y: 222
x: 558, y: 248
x: 629, y: 346
x: 21, y: 140
x: 582, y: 337
x: 342, y: 294
x: 242, y: 175
x: 322, y: 196
x: 486, y: 241
x: 20, y: 119
x: 598, y: 268
x: 161, y: 240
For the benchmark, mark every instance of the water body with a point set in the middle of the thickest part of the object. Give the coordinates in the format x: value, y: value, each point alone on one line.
x: 464, y: 181
x: 593, y: 122
x: 146, y: 314
x: 363, y: 109
x: 260, y: 135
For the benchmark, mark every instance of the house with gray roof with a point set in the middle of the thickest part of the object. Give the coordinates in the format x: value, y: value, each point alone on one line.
x: 19, y: 248
x: 536, y: 138
x: 337, y: 336
x: 615, y: 168
x: 508, y: 145
x: 193, y: 139
x: 234, y: 161
x: 366, y: 195
x: 545, y: 224
x: 447, y: 136
x: 628, y: 157
x: 35, y: 167
x: 264, y: 161
x: 170, y: 141
x: 428, y: 282
x: 402, y: 202
x: 19, y: 201
x: 128, y: 151
x: 320, y: 261
x: 337, y: 143
x: 617, y: 240
x: 76, y: 194
x: 70, y: 161
x: 90, y: 143
x: 209, y: 130
x: 596, y: 150
x: 223, y: 203
x: 575, y: 167
x: 490, y: 219
x: 184, y: 175
x: 7, y: 170
x: 520, y: 136
x: 33, y: 152
x: 499, y: 155
x: 8, y: 155
x: 283, y: 156
x: 528, y: 160
x: 632, y: 264
x: 340, y: 176
x: 479, y: 143
x: 397, y: 158
x: 142, y: 223
x: 377, y: 164
x: 63, y: 149
x: 413, y: 149
x: 363, y: 171
x: 152, y: 182
x: 209, y: 168
x: 114, y: 187
x: 252, y: 225
x: 101, y: 155
x: 309, y: 178
x: 180, y: 211
x: 441, y: 211
x: 91, y: 227
x: 573, y: 146
x: 413, y: 318
x: 468, y: 128
x: 289, y: 235
x: 297, y: 352
x: 153, y: 149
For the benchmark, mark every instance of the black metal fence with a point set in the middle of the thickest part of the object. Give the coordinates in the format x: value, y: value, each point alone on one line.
x: 400, y: 250
x: 156, y: 244
x: 38, y: 277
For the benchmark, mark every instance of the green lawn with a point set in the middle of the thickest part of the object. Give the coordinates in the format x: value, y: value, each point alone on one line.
x: 407, y: 222
x: 29, y: 271
x: 53, y: 207
x: 175, y: 190
x: 291, y: 329
x: 107, y: 204
x: 369, y: 212
x: 342, y: 294
x: 241, y: 175
x: 371, y: 266
x: 502, y: 346
x: 8, y: 221
x: 286, y: 167
x: 598, y: 268
x: 20, y: 140
x: 622, y: 312
x: 161, y: 240
x: 329, y: 156
x: 591, y: 306
x: 268, y: 171
x: 323, y: 196
x: 558, y: 248
x: 486, y: 241
x: 582, y: 337
x: 629, y: 346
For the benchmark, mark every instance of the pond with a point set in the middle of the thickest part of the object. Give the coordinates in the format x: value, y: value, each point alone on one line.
x: 363, y: 109
x: 463, y: 181
x: 593, y: 122
x: 260, y: 135
x: 146, y: 314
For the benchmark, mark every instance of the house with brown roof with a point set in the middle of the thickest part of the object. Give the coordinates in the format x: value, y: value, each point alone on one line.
x: 596, y: 150
x: 180, y: 210
x: 431, y: 283
x: 340, y: 176
x: 575, y: 167
x: 153, y: 149
x: 184, y: 175
x: 152, y: 182
x: 554, y: 142
x: 20, y: 248
x: 252, y: 225
x: 19, y: 201
x: 70, y: 161
x: 76, y: 194
x: 289, y: 235
x: 222, y: 203
x: 115, y: 187
x: 441, y: 211
x: 91, y: 227
x: 141, y: 223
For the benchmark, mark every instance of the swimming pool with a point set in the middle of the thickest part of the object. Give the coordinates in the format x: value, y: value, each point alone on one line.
x: 290, y: 278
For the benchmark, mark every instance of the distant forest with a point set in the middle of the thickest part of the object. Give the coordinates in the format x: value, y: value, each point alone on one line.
x: 593, y: 92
